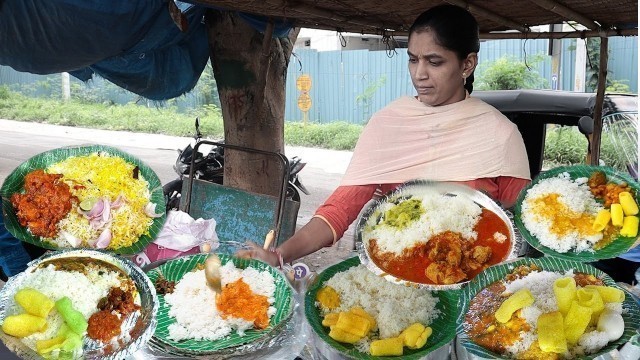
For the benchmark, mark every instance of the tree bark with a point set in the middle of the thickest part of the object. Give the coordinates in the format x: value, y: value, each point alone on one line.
x: 251, y: 76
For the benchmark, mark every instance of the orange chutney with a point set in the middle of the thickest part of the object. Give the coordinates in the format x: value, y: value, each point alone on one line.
x: 237, y: 300
x: 413, y: 262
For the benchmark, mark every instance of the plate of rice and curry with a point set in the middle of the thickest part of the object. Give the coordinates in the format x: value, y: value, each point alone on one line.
x: 359, y: 315
x: 76, y: 304
x: 94, y: 197
x: 581, y: 213
x: 255, y: 301
x: 434, y: 235
x: 545, y: 308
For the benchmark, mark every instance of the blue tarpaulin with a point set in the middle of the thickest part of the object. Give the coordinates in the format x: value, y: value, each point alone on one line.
x: 133, y: 43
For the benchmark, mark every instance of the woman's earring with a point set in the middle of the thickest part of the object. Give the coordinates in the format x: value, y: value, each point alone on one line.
x: 464, y: 78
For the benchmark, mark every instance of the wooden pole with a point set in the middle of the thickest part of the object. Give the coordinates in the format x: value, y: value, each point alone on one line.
x: 532, y: 35
x: 480, y: 11
x: 567, y: 12
x: 593, y: 154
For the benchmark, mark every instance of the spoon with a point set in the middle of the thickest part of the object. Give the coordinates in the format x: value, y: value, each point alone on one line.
x: 212, y: 272
x: 212, y: 265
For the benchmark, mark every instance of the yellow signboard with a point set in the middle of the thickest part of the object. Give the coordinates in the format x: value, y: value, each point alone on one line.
x: 304, y: 82
x: 304, y: 102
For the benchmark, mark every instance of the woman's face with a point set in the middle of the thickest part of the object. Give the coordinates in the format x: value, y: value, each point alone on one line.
x: 437, y: 72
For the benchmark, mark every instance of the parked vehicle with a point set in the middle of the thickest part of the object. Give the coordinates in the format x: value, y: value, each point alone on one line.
x: 533, y: 110
x: 210, y: 167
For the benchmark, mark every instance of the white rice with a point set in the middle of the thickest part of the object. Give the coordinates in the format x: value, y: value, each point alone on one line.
x: 193, y: 304
x: 394, y: 306
x: 84, y: 291
x: 441, y: 213
x: 540, y: 283
x: 576, y: 196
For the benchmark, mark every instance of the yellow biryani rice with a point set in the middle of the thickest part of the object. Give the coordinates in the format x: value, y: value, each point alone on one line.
x: 103, y: 175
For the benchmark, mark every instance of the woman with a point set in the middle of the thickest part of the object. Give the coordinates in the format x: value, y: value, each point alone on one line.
x: 13, y: 256
x: 441, y: 134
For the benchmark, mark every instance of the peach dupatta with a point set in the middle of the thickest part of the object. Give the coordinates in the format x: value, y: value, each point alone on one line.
x: 462, y: 141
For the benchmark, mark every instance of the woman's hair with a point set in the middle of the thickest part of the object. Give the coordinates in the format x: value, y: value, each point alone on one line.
x: 454, y: 28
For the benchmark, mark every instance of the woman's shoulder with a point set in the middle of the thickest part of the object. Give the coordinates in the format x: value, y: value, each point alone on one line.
x: 477, y: 102
x: 492, y: 113
x: 402, y: 102
x: 400, y: 107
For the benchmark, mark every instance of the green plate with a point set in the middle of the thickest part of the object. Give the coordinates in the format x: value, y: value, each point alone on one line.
x: 443, y: 327
x: 175, y: 269
x: 619, y: 246
x: 15, y: 182
x: 631, y: 309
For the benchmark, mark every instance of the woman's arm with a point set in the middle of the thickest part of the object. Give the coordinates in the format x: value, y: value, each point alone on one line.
x: 509, y: 188
x: 312, y: 237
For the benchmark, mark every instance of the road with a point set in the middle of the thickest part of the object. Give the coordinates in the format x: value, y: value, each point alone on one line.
x: 21, y: 140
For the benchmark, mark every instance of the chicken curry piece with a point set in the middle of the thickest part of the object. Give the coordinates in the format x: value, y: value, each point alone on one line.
x: 448, y: 258
x: 608, y: 192
x: 46, y: 201
x: 452, y: 258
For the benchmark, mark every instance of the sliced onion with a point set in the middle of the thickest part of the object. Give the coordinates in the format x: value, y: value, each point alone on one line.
x: 119, y: 201
x: 150, y: 210
x: 97, y: 223
x: 106, y: 212
x: 104, y: 239
x: 70, y: 238
x: 97, y: 209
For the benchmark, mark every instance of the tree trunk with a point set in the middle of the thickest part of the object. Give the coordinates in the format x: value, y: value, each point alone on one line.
x: 251, y: 75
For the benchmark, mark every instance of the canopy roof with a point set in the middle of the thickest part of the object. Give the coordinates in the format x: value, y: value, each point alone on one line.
x: 386, y: 17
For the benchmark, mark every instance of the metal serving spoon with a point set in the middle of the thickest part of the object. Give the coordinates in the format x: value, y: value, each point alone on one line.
x: 212, y: 265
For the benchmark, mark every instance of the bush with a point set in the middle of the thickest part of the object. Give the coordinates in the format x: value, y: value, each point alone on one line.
x: 509, y: 73
x: 337, y: 135
x: 4, y: 92
x: 567, y: 146
x: 128, y: 117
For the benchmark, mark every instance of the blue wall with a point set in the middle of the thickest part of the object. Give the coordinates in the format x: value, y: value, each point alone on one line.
x: 340, y: 78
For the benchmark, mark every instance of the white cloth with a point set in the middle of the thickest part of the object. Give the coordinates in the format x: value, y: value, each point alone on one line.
x: 462, y: 141
x: 181, y: 232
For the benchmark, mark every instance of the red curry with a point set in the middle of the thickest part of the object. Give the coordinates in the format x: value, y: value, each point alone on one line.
x: 448, y: 258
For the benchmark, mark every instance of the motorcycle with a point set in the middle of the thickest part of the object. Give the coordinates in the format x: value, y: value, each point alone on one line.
x: 210, y: 167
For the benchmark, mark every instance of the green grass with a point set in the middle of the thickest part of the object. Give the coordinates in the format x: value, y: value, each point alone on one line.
x: 564, y: 145
x: 336, y: 135
x: 129, y: 117
x: 160, y: 120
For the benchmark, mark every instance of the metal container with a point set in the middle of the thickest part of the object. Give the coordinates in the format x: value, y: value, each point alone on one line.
x: 373, y: 212
x: 137, y: 329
